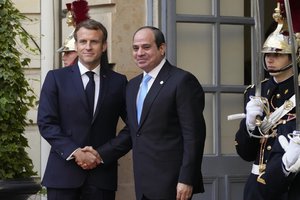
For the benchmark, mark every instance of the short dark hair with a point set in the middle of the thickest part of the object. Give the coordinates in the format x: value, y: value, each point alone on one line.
x: 92, y: 25
x: 158, y: 35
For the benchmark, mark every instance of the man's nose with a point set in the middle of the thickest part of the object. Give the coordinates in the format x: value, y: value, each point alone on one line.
x: 140, y: 51
x: 88, y: 45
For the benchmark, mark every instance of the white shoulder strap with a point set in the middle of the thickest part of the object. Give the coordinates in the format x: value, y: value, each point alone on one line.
x: 273, y: 118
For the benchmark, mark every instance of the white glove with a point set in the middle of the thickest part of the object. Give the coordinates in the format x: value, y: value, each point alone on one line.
x: 291, y: 157
x: 254, y: 108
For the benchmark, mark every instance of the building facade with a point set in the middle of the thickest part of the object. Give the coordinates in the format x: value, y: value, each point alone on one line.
x: 213, y: 39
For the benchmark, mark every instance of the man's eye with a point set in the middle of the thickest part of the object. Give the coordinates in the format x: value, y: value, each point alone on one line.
x: 95, y: 42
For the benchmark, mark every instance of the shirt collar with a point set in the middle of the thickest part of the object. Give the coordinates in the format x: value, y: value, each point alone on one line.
x: 154, y: 72
x: 83, y: 69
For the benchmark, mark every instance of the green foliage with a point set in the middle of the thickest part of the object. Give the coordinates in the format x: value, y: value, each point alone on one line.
x: 16, y: 96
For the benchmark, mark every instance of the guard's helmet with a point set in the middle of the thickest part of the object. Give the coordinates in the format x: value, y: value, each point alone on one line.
x: 69, y: 44
x: 279, y: 41
x: 77, y: 12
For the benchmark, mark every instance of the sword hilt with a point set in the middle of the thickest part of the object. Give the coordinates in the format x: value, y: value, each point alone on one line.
x: 258, y: 121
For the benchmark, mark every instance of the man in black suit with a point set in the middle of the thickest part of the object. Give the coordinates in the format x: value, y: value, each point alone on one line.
x: 69, y: 122
x: 167, y: 140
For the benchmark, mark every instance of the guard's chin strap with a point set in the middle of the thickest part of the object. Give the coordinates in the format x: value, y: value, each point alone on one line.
x: 279, y: 70
x: 283, y: 68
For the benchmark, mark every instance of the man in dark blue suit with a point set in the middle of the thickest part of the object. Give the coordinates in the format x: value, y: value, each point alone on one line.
x: 167, y: 140
x: 69, y: 123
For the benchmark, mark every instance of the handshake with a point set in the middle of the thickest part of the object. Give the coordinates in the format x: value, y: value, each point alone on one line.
x: 87, y: 157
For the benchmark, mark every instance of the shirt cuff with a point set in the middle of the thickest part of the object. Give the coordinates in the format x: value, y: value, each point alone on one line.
x: 71, y: 155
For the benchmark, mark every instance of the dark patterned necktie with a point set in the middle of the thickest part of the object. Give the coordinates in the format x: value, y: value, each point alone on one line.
x: 90, y: 91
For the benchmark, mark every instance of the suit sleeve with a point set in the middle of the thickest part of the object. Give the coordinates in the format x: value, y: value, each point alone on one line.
x: 117, y: 147
x: 49, y: 121
x: 247, y: 147
x: 190, y: 105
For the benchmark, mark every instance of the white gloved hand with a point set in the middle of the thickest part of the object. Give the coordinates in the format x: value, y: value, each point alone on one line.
x: 291, y: 157
x: 253, y: 108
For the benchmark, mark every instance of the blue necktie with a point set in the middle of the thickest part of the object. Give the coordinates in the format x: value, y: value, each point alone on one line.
x: 90, y: 91
x: 142, y: 95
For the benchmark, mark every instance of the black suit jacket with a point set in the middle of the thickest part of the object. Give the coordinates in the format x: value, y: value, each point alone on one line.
x: 168, y: 144
x: 64, y: 121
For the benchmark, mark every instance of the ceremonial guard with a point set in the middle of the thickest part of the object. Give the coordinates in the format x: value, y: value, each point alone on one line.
x: 267, y: 135
x: 77, y: 11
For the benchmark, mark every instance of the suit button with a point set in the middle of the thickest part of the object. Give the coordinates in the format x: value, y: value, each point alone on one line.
x: 138, y: 134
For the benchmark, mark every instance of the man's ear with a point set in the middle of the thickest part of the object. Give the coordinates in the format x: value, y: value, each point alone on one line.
x: 104, y: 47
x: 162, y: 49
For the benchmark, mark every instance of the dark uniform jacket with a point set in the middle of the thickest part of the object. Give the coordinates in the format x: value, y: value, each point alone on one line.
x: 271, y: 183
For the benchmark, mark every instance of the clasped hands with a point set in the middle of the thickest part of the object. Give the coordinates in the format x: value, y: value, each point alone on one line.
x: 87, y: 157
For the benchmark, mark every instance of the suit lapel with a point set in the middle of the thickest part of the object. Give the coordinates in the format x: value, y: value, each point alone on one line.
x: 157, y: 85
x: 132, y: 96
x: 77, y: 82
x: 104, y: 79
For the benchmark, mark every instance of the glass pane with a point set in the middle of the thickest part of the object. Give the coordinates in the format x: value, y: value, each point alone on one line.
x: 193, y: 7
x: 231, y: 8
x: 230, y: 104
x: 208, y: 116
x: 232, y: 55
x: 194, y: 50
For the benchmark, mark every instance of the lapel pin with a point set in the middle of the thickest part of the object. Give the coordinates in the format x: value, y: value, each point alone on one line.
x: 161, y: 82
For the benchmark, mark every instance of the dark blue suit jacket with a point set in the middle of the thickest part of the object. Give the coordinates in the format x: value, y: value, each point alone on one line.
x: 64, y: 121
x: 168, y: 144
